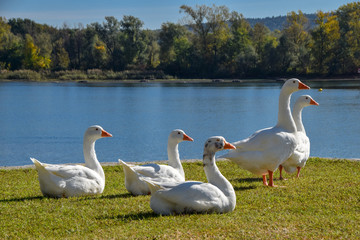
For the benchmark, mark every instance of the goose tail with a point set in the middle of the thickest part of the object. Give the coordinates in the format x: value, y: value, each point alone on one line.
x: 152, y: 185
x: 128, y: 170
x: 38, y: 165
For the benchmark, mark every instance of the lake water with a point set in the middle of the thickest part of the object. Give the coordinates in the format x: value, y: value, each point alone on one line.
x: 47, y: 120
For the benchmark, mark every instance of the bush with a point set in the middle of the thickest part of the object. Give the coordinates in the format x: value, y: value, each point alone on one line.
x: 21, y: 75
x: 91, y: 74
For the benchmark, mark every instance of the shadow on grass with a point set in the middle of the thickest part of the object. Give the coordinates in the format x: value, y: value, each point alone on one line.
x: 130, y: 217
x: 244, y: 188
x: 22, y: 199
x: 96, y: 197
x: 124, y: 195
x: 248, y: 180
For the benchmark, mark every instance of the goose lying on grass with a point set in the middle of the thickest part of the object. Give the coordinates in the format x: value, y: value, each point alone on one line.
x: 302, y: 151
x: 173, y: 172
x: 266, y: 149
x: 75, y: 180
x: 217, y: 195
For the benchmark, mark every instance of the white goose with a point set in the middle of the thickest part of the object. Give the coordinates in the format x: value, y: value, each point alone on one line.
x: 75, y: 180
x: 266, y: 149
x: 302, y: 151
x: 217, y: 195
x: 173, y: 172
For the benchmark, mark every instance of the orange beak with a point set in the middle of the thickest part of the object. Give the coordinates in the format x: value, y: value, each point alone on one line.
x: 187, y: 138
x: 312, y: 102
x: 229, y: 146
x: 303, y: 86
x: 105, y: 134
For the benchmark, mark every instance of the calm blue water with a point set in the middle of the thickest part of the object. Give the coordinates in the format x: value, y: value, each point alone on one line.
x: 47, y: 120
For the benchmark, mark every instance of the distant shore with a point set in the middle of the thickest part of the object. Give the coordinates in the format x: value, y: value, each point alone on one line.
x: 146, y: 76
x: 259, y: 80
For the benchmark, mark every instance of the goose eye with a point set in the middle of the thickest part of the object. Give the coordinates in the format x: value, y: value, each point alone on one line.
x: 179, y: 133
x: 307, y: 98
x: 294, y: 81
x: 97, y: 129
x: 218, y: 140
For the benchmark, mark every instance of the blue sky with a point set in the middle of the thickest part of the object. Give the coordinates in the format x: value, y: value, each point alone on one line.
x: 152, y: 13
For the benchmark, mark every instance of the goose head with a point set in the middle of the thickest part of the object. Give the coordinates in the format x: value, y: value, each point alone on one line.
x: 178, y: 136
x: 306, y: 100
x: 95, y: 132
x: 217, y: 143
x: 293, y: 85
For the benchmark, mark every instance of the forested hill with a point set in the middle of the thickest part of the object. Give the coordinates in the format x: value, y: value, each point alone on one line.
x: 278, y: 23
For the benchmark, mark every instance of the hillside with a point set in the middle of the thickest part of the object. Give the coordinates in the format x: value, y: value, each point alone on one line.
x: 278, y: 22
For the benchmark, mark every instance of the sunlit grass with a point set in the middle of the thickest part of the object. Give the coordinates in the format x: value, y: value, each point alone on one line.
x: 324, y: 203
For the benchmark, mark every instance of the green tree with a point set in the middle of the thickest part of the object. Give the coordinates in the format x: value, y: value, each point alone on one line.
x: 169, y: 33
x: 152, y: 52
x: 297, y: 40
x: 239, y: 52
x: 109, y: 33
x: 211, y: 31
x: 60, y: 57
x: 348, y: 57
x: 185, y: 59
x: 260, y: 35
x: 133, y: 41
x: 325, y: 37
x: 10, y: 47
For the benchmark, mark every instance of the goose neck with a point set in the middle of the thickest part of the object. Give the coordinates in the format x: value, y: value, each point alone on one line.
x: 215, y: 177
x: 297, y: 115
x: 285, y: 119
x: 91, y: 160
x: 174, y: 157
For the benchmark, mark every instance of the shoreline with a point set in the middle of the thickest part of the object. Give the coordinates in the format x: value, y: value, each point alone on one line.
x: 190, y: 80
x: 105, y: 164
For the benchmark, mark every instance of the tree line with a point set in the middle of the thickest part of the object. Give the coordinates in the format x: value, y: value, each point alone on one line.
x: 213, y: 42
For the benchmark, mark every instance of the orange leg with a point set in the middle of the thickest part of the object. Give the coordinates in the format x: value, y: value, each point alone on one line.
x: 298, y: 172
x: 264, y: 180
x: 280, y: 169
x: 271, y: 180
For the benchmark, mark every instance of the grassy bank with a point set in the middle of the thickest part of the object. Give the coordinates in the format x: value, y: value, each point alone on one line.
x: 324, y: 203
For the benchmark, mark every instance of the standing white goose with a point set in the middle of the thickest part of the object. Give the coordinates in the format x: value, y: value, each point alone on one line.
x: 217, y: 195
x: 302, y: 151
x: 75, y: 180
x: 266, y: 149
x: 173, y: 172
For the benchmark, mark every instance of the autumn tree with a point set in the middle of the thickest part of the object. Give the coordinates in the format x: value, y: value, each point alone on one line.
x: 32, y: 58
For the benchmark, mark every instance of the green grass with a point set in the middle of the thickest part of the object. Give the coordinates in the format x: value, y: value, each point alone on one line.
x: 324, y: 203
